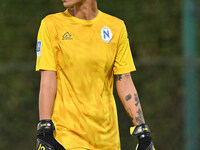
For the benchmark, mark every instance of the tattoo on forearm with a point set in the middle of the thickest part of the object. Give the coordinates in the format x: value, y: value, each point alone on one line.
x: 127, y: 75
x: 128, y: 97
x: 140, y: 118
x: 118, y: 77
x: 136, y: 100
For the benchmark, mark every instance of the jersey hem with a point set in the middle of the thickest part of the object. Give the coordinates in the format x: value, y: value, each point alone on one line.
x: 38, y: 69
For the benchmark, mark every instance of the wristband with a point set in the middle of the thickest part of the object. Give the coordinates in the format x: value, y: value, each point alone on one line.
x: 140, y: 131
x: 45, y: 126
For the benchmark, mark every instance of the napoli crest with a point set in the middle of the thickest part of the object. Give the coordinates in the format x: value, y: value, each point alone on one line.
x: 106, y: 34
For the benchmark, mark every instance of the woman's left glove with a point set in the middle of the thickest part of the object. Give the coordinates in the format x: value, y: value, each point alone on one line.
x: 144, y: 137
x: 45, y: 139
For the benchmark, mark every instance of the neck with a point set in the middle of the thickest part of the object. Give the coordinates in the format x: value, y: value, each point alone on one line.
x: 87, y: 10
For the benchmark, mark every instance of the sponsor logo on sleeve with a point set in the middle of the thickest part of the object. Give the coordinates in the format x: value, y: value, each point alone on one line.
x: 38, y: 47
x: 106, y: 34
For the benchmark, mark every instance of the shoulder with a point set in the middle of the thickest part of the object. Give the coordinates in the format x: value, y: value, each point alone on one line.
x: 112, y: 19
x: 53, y: 17
x: 51, y: 21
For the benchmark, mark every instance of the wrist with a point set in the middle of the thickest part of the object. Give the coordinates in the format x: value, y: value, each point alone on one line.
x: 44, y: 116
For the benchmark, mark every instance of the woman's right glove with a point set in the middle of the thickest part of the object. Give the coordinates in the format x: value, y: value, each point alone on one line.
x: 45, y: 139
x: 144, y: 137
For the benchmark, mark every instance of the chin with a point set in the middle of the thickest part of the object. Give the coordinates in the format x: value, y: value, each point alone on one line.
x: 65, y: 4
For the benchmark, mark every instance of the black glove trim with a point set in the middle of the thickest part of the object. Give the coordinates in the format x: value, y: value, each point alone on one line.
x: 45, y: 126
x: 139, y: 130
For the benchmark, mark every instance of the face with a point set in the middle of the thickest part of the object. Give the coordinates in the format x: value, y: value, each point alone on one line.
x: 71, y: 3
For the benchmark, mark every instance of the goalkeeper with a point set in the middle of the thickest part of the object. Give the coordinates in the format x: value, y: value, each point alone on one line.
x: 79, y: 51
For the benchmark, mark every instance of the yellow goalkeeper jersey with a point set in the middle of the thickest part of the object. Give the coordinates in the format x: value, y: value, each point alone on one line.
x: 85, y: 54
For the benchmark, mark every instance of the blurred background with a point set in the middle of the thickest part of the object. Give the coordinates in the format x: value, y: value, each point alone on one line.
x: 155, y: 30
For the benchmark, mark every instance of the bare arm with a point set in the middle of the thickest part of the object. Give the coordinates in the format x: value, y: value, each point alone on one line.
x: 48, y: 86
x: 129, y: 97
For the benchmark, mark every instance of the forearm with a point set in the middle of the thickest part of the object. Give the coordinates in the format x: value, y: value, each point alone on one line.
x: 47, y: 94
x: 129, y: 97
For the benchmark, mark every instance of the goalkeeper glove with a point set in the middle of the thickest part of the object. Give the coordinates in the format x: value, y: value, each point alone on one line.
x: 45, y: 139
x: 144, y: 137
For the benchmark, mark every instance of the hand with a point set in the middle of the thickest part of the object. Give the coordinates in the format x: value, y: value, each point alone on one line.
x: 144, y: 137
x: 45, y: 139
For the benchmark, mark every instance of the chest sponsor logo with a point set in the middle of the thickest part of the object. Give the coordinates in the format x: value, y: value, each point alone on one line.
x: 106, y: 34
x: 38, y: 48
x: 67, y: 36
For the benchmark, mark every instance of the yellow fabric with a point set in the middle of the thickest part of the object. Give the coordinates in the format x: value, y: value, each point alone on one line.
x: 85, y: 60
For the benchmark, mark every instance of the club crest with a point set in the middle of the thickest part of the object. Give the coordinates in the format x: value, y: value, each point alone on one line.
x: 106, y: 34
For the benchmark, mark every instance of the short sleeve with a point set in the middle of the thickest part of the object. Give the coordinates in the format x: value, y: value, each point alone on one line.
x: 123, y: 61
x: 45, y: 54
